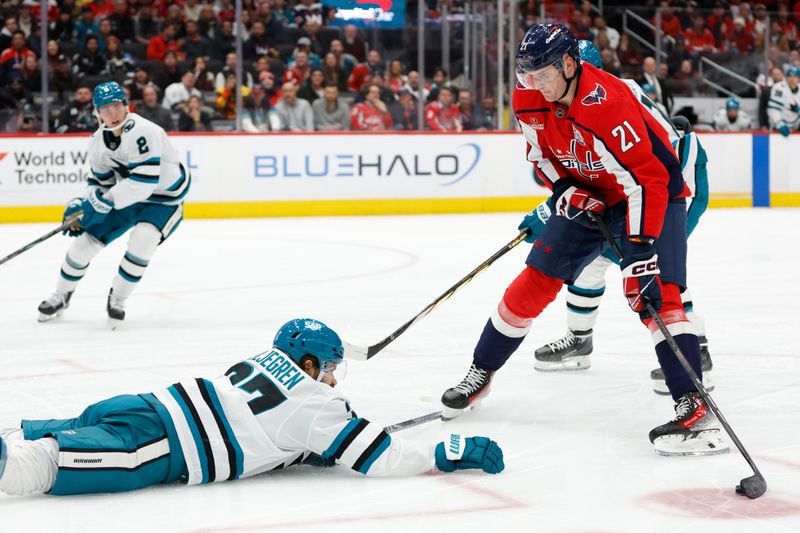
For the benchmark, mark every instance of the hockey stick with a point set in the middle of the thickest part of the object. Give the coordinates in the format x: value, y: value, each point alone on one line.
x: 410, y: 423
x: 753, y: 486
x: 362, y: 353
x: 67, y: 223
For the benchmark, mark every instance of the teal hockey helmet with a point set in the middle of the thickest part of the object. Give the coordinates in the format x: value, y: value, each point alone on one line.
x: 107, y: 93
x: 589, y: 53
x: 306, y: 336
x: 732, y: 103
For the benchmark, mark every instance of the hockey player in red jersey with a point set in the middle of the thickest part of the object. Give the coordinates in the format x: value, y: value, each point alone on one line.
x: 600, y: 152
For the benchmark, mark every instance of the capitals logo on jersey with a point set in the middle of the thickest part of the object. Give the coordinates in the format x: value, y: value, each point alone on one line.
x: 596, y: 97
x: 586, y: 166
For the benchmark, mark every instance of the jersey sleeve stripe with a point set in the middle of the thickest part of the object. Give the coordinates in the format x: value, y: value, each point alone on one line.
x: 345, y: 438
x: 373, y: 451
x: 235, y: 455
x: 198, y: 432
x: 155, y: 161
x: 143, y: 178
x: 103, y: 175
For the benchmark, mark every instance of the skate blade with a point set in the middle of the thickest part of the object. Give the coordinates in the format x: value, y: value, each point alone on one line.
x: 708, y: 442
x: 660, y: 386
x: 47, y: 318
x: 581, y: 362
x: 113, y: 323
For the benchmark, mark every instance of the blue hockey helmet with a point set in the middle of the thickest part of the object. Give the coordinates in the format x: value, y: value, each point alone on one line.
x: 732, y: 103
x: 544, y: 45
x: 793, y: 71
x: 589, y: 53
x: 648, y: 89
x: 107, y: 93
x: 306, y: 336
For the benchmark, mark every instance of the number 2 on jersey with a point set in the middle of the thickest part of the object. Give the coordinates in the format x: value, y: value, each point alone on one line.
x: 619, y: 132
x: 141, y: 142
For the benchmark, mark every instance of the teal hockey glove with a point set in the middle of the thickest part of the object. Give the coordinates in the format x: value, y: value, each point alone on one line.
x: 95, y: 208
x: 463, y: 453
x: 535, y: 221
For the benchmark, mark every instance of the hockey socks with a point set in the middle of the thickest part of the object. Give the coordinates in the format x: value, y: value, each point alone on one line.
x: 678, y: 381
x: 494, y: 348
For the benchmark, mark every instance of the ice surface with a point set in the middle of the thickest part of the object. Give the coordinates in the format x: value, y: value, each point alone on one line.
x: 576, y: 448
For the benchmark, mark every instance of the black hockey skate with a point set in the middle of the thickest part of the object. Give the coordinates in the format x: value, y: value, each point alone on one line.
x: 115, y: 307
x: 473, y: 388
x: 657, y: 375
x: 570, y: 352
x: 694, y: 431
x: 54, y: 306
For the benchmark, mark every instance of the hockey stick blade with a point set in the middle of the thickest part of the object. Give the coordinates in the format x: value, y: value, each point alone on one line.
x: 365, y: 353
x: 65, y: 225
x: 412, y: 422
x: 753, y: 486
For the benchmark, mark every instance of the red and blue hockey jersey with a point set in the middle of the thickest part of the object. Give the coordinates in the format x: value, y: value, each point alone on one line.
x: 606, y: 142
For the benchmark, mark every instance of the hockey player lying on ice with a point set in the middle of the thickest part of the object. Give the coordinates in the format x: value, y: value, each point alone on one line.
x: 273, y: 410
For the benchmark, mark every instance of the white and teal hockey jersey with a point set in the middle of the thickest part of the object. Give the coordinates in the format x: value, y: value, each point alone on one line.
x: 693, y: 160
x: 266, y: 414
x: 783, y: 106
x: 654, y: 109
x: 139, y: 166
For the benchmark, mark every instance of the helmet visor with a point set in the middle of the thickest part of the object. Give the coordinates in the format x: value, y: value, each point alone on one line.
x: 339, y: 370
x: 537, y: 79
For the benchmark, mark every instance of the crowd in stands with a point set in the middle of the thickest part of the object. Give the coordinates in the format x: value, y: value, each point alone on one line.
x: 177, y: 61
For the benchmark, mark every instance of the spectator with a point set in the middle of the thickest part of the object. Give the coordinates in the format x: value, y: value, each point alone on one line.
x: 208, y: 24
x: 53, y: 52
x: 685, y: 82
x: 101, y: 8
x: 195, y: 45
x: 178, y: 93
x: 140, y: 80
x: 363, y: 72
x: 259, y: 42
x: 169, y: 73
x: 438, y: 80
x: 62, y: 29
x: 333, y: 72
x: 404, y: 112
x: 312, y: 88
x: 777, y: 37
x: 193, y: 118
x: 203, y: 79
x: 10, y: 26
x: 162, y: 43
x: 699, y: 39
x: 347, y: 61
x: 85, y: 25
x: 610, y: 61
x: 257, y: 115
x: 226, y: 97
x: 272, y: 26
x: 387, y: 96
x: 310, y: 33
x: 151, y: 110
x: 230, y: 68
x: 12, y: 57
x: 473, y: 117
x: 579, y: 25
x: 90, y: 62
x: 224, y: 42
x: 663, y: 91
x: 122, y: 24
x: 283, y: 13
x: 77, y: 116
x: 299, y: 70
x: 760, y: 22
x: 413, y: 84
x: 787, y: 25
x: 601, y: 28
x: 628, y: 52
x: 146, y: 27
x: 303, y: 44
x: 103, y: 33
x: 443, y: 115
x: 273, y: 93
x: 31, y: 74
x: 119, y: 64
x: 191, y: 10
x: 308, y: 10
x: 741, y: 40
x: 395, y: 78
x: 372, y: 114
x: 16, y: 88
x: 174, y: 17
x: 730, y: 118
x: 670, y: 25
x: 720, y: 25
x: 353, y: 44
x: 62, y: 79
x: 330, y: 113
x: 295, y: 113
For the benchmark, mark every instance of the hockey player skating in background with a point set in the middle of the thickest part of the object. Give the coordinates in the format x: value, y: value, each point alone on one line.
x: 571, y: 352
x: 598, y: 149
x: 783, y: 107
x: 271, y: 411
x: 137, y: 182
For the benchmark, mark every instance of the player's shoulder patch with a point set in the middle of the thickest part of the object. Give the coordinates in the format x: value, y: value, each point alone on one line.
x: 778, y: 93
x: 129, y: 126
x: 597, y: 96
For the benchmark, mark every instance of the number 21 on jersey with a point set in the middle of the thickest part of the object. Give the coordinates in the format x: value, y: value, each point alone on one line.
x: 620, y: 133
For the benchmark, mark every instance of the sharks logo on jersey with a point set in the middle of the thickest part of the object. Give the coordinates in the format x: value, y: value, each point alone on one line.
x: 596, y: 97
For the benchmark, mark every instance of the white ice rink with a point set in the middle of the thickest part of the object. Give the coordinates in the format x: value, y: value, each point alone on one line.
x: 576, y: 448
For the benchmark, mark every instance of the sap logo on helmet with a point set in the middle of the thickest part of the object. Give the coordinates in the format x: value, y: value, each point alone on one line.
x: 313, y: 325
x: 578, y: 136
x: 597, y: 96
x: 552, y: 35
